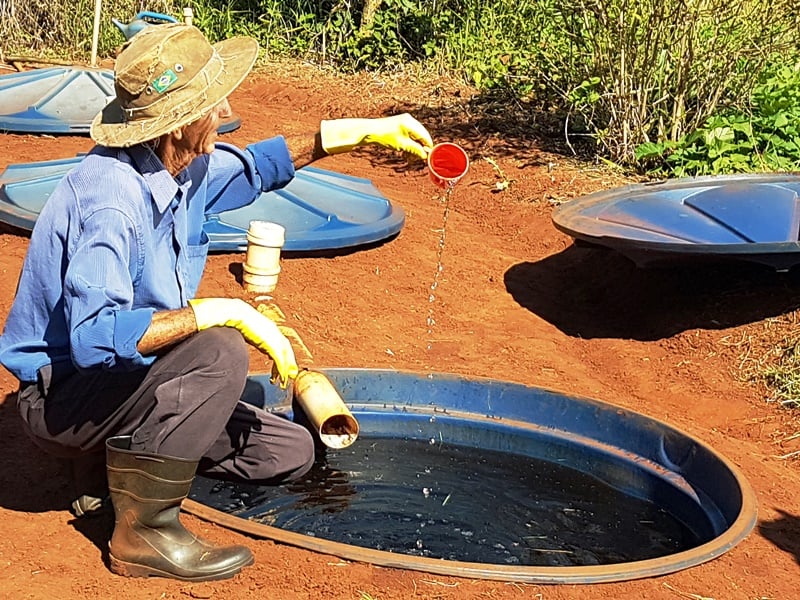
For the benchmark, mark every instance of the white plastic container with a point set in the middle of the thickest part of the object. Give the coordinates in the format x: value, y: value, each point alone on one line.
x: 262, y: 262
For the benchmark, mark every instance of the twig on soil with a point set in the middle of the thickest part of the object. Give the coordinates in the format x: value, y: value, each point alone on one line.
x: 431, y: 582
x: 521, y: 589
x: 787, y: 456
x: 33, y: 60
x: 686, y: 594
x: 504, y: 182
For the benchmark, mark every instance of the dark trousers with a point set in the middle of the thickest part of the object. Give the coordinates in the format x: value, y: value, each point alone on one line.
x: 186, y: 405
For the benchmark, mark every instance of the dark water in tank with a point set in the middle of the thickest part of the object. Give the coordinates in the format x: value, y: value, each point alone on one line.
x: 458, y: 503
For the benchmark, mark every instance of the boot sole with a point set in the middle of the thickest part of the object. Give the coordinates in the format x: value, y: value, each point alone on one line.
x: 127, y: 569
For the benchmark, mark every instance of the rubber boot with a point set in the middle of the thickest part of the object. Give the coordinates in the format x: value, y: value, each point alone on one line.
x: 148, y: 539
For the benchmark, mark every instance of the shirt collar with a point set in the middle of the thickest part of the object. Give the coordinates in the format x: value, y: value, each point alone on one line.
x: 163, y: 186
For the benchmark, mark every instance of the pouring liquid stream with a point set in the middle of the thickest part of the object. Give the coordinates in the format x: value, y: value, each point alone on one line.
x: 431, y: 321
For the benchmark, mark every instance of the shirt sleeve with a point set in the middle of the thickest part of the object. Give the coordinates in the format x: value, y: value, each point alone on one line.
x: 104, y: 325
x: 237, y: 177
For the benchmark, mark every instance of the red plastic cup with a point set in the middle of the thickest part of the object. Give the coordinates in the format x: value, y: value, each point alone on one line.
x: 447, y: 163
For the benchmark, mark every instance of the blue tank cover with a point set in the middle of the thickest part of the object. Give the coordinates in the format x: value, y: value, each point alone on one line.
x: 61, y: 100
x: 320, y: 209
x: 743, y: 217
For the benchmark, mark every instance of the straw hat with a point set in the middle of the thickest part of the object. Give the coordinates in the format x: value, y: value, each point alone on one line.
x: 166, y: 77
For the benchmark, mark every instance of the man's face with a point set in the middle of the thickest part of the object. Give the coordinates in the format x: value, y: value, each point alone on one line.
x: 199, y: 136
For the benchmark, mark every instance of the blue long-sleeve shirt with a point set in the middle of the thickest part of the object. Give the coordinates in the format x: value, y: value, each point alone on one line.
x: 119, y: 239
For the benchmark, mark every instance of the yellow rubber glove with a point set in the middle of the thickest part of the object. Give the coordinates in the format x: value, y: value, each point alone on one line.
x: 400, y: 132
x: 257, y: 329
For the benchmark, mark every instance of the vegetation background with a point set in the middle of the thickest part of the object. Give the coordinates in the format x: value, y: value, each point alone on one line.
x: 668, y: 87
x: 660, y: 88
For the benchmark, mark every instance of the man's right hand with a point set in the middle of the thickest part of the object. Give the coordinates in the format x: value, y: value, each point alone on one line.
x: 257, y: 329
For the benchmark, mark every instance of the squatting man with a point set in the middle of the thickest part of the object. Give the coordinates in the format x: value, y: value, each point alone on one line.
x: 122, y: 370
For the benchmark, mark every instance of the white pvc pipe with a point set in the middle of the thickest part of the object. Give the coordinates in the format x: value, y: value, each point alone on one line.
x: 96, y: 31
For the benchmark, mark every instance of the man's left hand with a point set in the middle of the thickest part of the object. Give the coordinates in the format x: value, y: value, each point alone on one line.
x: 400, y: 132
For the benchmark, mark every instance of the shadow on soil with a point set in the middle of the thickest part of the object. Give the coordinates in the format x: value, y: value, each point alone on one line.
x: 499, y: 120
x: 36, y: 482
x: 493, y: 123
x: 783, y: 532
x: 597, y: 293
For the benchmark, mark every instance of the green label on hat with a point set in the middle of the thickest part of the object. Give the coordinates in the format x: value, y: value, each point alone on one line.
x: 165, y: 80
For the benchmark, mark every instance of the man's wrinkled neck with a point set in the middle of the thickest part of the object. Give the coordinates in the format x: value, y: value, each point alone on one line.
x: 172, y: 154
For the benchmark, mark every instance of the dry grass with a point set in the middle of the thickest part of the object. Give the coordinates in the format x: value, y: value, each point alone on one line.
x: 63, y: 28
x: 772, y: 360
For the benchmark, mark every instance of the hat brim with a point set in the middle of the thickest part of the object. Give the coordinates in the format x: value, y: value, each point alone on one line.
x: 110, y: 128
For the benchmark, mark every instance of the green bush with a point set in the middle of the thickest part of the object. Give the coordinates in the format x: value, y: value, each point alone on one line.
x: 670, y: 78
x: 638, y: 71
x: 764, y: 136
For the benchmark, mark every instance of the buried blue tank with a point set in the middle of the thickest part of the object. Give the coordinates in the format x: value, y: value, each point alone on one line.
x: 646, y: 471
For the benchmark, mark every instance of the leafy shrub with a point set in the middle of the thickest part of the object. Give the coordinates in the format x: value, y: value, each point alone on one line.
x: 621, y: 74
x: 764, y: 136
x: 637, y: 71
